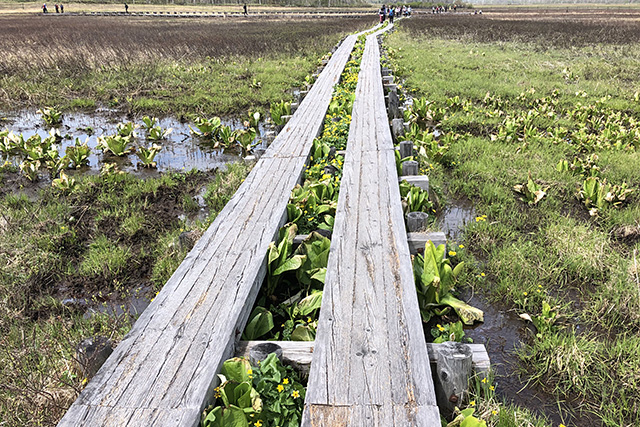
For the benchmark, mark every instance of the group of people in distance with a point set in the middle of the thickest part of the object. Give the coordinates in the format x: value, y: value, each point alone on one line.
x: 393, y: 11
x: 59, y: 8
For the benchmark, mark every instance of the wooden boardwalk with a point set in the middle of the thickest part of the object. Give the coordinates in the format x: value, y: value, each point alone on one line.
x: 163, y: 372
x: 370, y: 365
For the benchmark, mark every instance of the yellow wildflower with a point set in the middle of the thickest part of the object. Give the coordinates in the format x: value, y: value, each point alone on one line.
x: 295, y: 394
x: 440, y: 328
x: 280, y: 388
x: 285, y: 381
x: 452, y: 253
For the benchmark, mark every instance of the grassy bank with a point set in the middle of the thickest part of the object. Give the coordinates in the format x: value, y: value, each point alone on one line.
x: 69, y: 259
x: 540, y: 98
x: 160, y: 66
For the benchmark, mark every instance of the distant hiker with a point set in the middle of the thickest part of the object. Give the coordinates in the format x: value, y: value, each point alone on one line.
x: 57, y: 8
x: 61, y: 8
x: 44, y: 8
x: 381, y: 13
x: 455, y: 7
x: 409, y: 10
x: 126, y: 8
x: 391, y: 15
x: 244, y: 9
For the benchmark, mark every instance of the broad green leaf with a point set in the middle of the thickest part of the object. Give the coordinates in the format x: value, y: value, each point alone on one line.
x: 236, y: 369
x: 234, y: 417
x: 260, y: 322
x: 319, y: 275
x: 467, y: 313
x: 310, y: 303
x: 213, y: 418
x: 302, y: 333
x: 458, y: 269
x: 291, y: 264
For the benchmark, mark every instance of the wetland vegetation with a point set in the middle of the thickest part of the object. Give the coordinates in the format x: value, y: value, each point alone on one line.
x: 72, y: 255
x: 539, y: 116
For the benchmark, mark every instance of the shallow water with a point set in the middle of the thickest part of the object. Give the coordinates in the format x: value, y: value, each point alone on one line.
x: 452, y: 219
x: 503, y: 333
x: 180, y: 151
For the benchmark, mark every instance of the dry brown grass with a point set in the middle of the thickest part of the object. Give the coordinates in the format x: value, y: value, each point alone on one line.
x: 551, y: 27
x: 85, y: 43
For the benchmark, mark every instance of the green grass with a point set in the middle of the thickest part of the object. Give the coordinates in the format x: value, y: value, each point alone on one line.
x: 554, y: 252
x: 96, y: 244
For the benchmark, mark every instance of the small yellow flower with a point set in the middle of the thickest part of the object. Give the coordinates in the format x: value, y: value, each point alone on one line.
x: 258, y: 423
x: 250, y: 371
x: 461, y: 246
x: 440, y: 328
x: 562, y: 425
x: 285, y: 381
x: 482, y: 274
x: 452, y: 253
x: 525, y: 294
x: 472, y: 403
x: 280, y: 388
x: 484, y: 380
x: 492, y: 388
x: 494, y: 412
x: 295, y: 394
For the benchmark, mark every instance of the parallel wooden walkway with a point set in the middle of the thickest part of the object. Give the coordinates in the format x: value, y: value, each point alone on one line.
x: 370, y: 365
x: 163, y: 372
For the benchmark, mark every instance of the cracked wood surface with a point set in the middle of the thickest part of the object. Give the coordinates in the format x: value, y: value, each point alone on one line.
x: 163, y: 372
x: 370, y: 363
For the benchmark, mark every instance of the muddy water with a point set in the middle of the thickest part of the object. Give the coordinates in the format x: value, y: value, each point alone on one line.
x: 502, y: 333
x: 180, y: 151
x: 452, y: 219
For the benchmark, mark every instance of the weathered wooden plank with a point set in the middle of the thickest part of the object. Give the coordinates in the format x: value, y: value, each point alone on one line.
x: 300, y: 353
x: 162, y: 373
x: 370, y: 365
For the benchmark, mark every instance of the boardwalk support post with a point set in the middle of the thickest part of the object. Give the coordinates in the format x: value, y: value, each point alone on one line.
x: 397, y: 128
x: 410, y: 167
x: 451, y: 378
x: 406, y: 149
x: 417, y: 221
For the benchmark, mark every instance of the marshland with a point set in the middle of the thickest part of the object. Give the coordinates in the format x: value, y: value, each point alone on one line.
x: 533, y: 173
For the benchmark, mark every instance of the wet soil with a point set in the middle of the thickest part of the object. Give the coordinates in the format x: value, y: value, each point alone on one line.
x: 452, y: 219
x: 503, y: 333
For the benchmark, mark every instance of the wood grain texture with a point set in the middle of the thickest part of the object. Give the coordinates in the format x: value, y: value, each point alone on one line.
x: 299, y: 354
x: 370, y: 364
x: 164, y: 370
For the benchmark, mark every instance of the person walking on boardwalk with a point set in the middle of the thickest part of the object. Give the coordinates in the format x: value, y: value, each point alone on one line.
x: 391, y: 14
x: 381, y: 13
x: 57, y: 8
x: 244, y: 9
x: 126, y: 8
x: 44, y: 8
x: 61, y: 8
